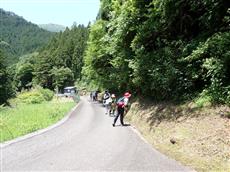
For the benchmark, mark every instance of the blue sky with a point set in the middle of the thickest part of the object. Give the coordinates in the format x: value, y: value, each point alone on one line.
x: 63, y: 12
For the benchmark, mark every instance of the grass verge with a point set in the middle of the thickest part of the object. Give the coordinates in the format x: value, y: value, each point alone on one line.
x: 27, y: 118
x: 197, y: 137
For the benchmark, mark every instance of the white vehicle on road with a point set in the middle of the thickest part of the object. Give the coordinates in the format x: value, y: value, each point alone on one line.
x: 70, y: 91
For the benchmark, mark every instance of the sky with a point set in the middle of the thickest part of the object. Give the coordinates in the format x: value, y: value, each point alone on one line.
x: 63, y: 12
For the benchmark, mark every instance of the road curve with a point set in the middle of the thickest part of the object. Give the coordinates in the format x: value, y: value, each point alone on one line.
x: 86, y: 141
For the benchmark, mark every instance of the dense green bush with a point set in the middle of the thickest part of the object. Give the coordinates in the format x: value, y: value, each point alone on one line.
x: 34, y: 96
x: 209, y: 65
x: 47, y: 94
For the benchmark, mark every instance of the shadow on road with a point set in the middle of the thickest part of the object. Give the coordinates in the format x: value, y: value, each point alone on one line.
x: 125, y: 125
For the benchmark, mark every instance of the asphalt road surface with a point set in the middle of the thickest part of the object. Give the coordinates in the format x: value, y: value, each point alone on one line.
x: 86, y: 141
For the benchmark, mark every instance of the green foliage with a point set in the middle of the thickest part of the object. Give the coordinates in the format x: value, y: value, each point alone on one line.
x: 19, y: 36
x: 167, y: 50
x: 92, y: 59
x: 23, y: 72
x: 61, y: 61
x: 56, y: 65
x: 104, y: 12
x: 209, y: 66
x: 203, y: 99
x: 42, y: 70
x: 6, y: 85
x: 34, y: 96
x: 27, y: 118
x: 62, y: 77
x: 47, y: 94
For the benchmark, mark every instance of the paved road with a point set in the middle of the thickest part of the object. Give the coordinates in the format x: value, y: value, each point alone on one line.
x: 86, y: 141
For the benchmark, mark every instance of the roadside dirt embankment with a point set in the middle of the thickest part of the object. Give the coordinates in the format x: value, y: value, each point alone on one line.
x: 197, y: 137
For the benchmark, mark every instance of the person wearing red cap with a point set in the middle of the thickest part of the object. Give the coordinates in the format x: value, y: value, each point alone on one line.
x: 121, y: 104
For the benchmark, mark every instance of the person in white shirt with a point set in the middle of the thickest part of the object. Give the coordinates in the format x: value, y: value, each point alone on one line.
x: 107, y: 100
x: 113, y: 105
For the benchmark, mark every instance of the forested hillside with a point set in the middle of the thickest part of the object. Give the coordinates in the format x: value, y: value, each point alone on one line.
x: 56, y: 65
x: 31, y: 56
x: 20, y: 37
x: 60, y: 63
x: 166, y: 50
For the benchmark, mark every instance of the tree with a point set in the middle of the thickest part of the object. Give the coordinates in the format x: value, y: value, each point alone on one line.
x: 6, y: 87
x: 66, y: 50
x: 163, y: 49
x: 62, y: 77
x: 24, y: 71
x: 22, y: 37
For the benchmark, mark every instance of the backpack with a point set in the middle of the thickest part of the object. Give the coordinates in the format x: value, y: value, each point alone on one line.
x: 106, y: 96
x: 120, y: 102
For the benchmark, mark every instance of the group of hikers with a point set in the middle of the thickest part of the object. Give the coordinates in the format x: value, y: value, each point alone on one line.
x: 113, y: 106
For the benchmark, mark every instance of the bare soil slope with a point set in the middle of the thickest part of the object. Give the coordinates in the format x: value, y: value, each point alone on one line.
x: 197, y: 137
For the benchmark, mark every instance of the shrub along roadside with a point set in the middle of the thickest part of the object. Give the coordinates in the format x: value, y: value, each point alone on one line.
x: 34, y: 96
x: 26, y: 118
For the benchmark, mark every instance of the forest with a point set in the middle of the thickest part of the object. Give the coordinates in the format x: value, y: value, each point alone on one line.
x: 35, y: 57
x: 19, y: 37
x: 170, y: 50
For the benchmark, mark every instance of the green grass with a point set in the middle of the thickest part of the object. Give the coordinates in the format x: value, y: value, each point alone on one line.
x: 203, y: 101
x: 26, y: 118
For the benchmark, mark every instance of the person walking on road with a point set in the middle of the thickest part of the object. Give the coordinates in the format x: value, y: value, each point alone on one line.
x: 112, y: 105
x: 106, y: 101
x: 122, y: 103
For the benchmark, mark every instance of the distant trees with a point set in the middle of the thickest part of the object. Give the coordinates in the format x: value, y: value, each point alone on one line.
x: 62, y: 77
x: 57, y: 62
x: 167, y: 50
x: 60, y: 63
x: 19, y: 37
x: 56, y: 65
x: 6, y: 86
x: 24, y: 71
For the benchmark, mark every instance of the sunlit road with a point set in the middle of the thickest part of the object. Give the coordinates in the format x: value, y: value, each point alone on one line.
x: 86, y: 141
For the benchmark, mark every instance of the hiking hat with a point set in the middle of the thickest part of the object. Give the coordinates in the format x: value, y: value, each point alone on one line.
x: 127, y: 95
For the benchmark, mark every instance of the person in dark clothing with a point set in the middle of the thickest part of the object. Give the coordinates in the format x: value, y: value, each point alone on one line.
x: 94, y: 95
x: 122, y: 103
x: 91, y: 95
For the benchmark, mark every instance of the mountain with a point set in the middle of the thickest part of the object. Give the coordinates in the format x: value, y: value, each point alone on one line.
x: 52, y: 27
x: 19, y: 36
